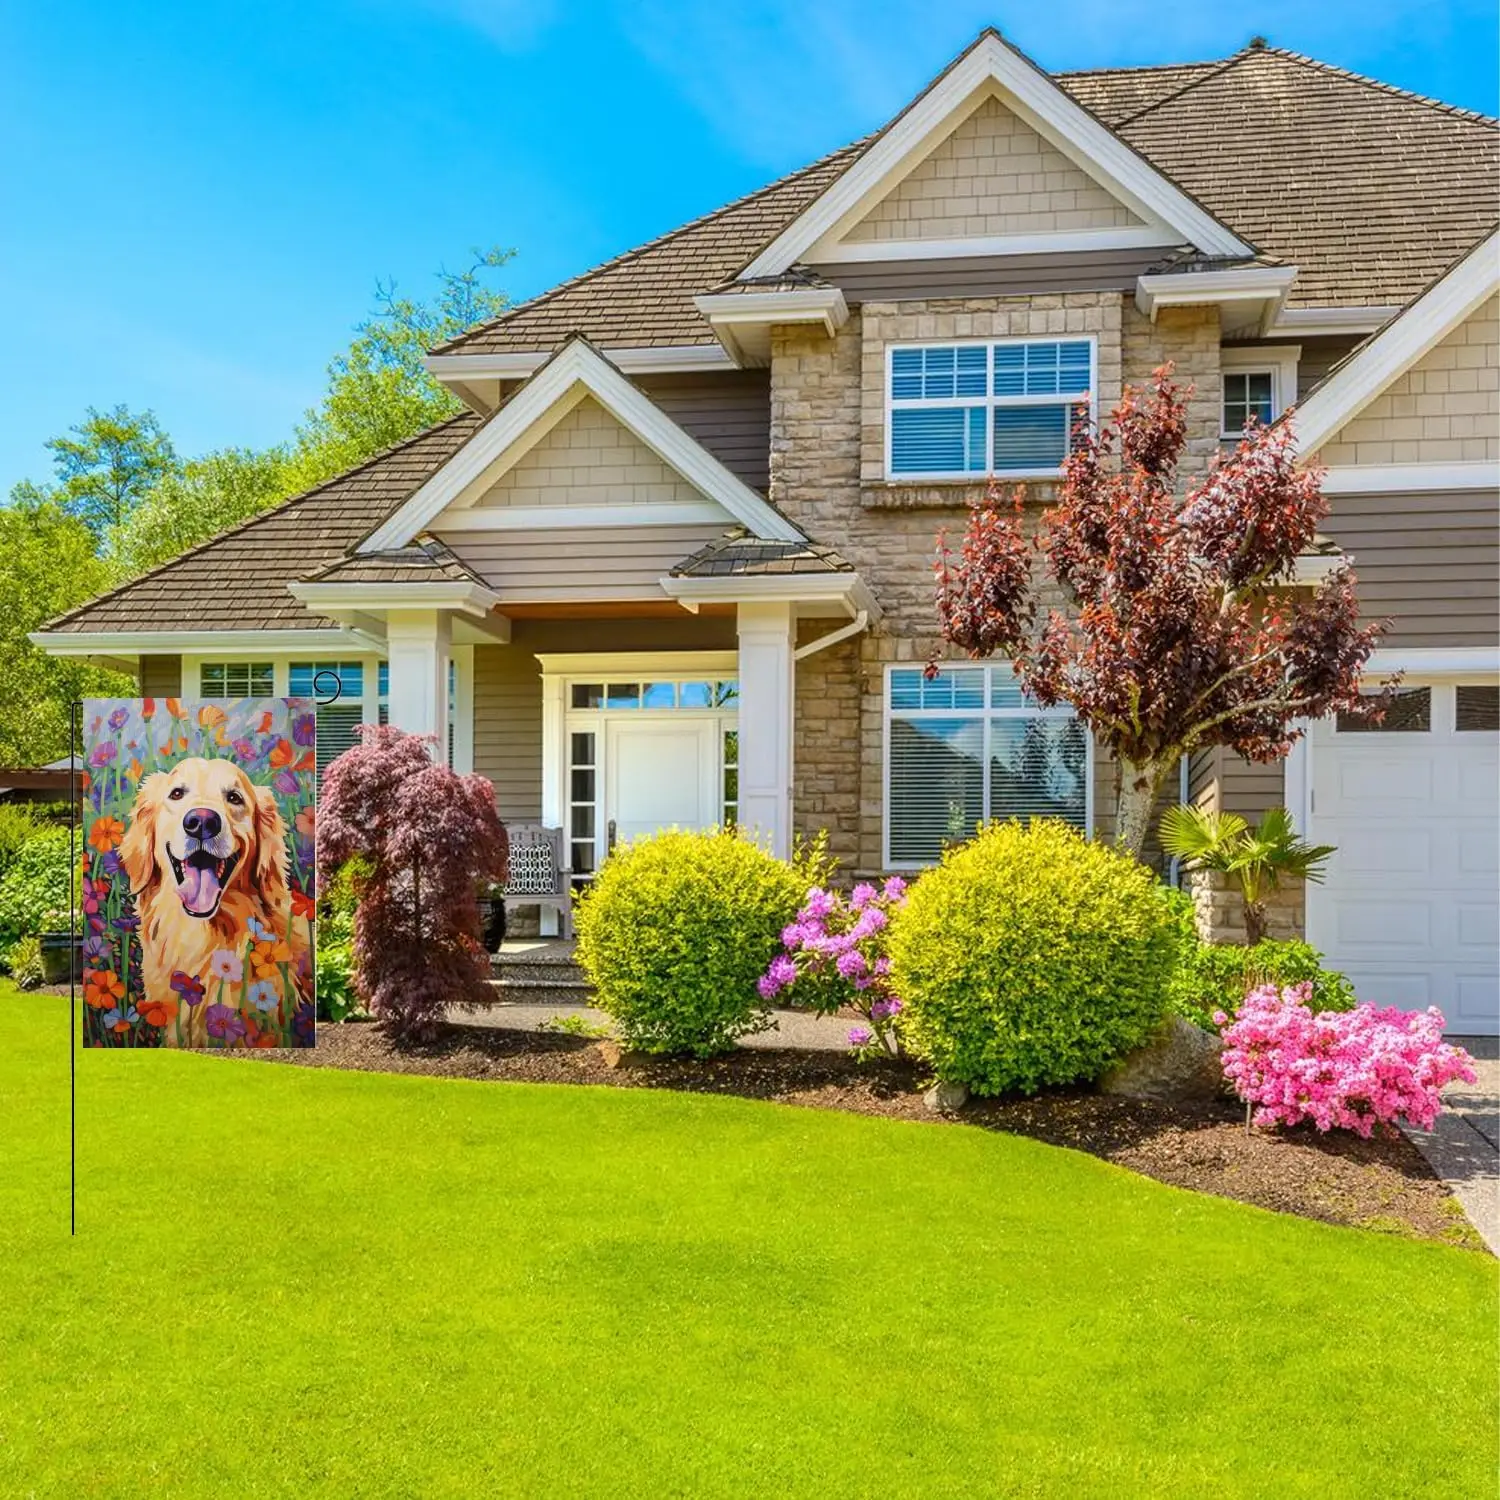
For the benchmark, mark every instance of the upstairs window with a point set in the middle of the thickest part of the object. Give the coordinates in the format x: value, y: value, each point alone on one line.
x: 1009, y: 407
x: 1260, y: 381
x: 1248, y: 393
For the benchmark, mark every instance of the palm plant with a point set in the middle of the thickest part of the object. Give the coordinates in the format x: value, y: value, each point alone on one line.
x: 1258, y: 858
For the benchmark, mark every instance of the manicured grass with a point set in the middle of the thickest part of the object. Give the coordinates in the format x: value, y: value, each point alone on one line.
x: 299, y: 1281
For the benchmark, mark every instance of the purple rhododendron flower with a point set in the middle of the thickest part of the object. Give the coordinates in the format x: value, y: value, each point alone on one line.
x: 851, y: 964
x: 818, y: 905
x: 860, y: 1036
x: 304, y: 729
x: 862, y: 895
x: 118, y: 718
x: 883, y: 1010
x: 895, y: 888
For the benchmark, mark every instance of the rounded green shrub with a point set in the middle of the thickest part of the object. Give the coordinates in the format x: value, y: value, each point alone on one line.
x: 1218, y: 976
x: 675, y: 931
x: 35, y: 883
x: 1031, y: 956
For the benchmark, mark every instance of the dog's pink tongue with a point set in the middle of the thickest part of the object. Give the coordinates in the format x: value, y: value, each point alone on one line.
x: 199, y: 888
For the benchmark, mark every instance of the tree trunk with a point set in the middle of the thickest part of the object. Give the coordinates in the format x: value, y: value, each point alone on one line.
x: 1255, y: 921
x: 1139, y: 785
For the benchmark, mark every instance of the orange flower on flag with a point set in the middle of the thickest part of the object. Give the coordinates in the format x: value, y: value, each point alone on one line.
x: 182, y: 743
x: 148, y: 709
x: 307, y: 822
x: 174, y: 707
x: 135, y: 769
x: 210, y: 716
x: 264, y: 727
x: 106, y: 833
x: 158, y: 1012
x: 102, y: 988
x: 303, y: 905
x: 266, y: 955
x: 309, y: 762
x: 85, y: 781
x: 281, y: 754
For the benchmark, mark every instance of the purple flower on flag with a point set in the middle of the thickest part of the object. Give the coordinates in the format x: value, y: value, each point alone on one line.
x: 244, y: 749
x: 118, y: 718
x: 187, y: 986
x: 224, y: 1022
x: 304, y: 729
x: 102, y: 754
x: 286, y: 783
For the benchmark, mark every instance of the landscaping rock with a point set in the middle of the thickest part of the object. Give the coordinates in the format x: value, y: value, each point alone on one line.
x: 946, y: 1098
x: 1181, y: 1061
x: 616, y: 1056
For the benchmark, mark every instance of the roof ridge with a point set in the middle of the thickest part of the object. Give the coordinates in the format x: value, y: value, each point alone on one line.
x: 661, y: 239
x: 255, y: 520
x: 1217, y: 69
x: 1207, y: 62
x: 1375, y: 83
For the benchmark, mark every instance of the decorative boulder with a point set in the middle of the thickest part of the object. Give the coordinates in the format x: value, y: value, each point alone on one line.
x: 1178, y: 1061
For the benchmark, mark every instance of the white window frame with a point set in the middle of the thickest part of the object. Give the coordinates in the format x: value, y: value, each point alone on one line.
x: 1279, y: 361
x: 281, y: 668
x: 987, y: 717
x: 990, y: 402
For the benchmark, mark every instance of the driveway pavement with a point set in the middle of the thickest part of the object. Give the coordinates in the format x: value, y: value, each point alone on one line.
x: 1464, y: 1148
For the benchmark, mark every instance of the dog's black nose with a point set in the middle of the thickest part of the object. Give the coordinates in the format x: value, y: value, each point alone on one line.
x: 202, y: 823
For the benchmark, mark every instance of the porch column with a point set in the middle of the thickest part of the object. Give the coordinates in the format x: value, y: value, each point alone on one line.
x: 418, y: 645
x: 766, y: 633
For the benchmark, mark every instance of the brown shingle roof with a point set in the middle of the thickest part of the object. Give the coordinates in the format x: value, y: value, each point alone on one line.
x: 1370, y: 190
x: 237, y: 581
x: 425, y: 561
x: 740, y: 556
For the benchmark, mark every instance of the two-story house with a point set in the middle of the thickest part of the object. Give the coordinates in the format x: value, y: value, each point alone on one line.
x: 674, y: 564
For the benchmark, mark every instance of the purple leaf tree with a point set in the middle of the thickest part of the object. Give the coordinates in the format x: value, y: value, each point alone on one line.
x: 425, y: 838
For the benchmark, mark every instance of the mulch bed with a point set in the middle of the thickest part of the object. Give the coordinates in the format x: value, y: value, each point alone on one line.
x: 1381, y: 1184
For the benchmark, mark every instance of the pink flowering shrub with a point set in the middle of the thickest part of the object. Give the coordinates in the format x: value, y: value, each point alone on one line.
x: 1342, y: 1070
x: 834, y: 955
x: 425, y: 837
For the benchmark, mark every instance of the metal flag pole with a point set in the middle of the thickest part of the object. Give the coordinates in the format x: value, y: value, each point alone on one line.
x: 75, y: 715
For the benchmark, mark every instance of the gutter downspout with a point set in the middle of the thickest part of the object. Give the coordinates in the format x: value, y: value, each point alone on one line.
x: 858, y: 623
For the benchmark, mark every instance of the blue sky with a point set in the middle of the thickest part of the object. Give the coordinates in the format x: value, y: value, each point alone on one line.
x: 196, y: 199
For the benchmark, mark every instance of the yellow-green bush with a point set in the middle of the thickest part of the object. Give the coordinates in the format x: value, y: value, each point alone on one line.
x: 677, y: 928
x: 1031, y: 956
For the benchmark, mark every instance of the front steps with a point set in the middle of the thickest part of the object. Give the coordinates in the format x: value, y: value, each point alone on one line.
x: 538, y: 971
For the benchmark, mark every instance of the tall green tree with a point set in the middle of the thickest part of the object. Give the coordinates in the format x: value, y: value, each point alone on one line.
x: 107, y: 465
x: 48, y: 564
x: 379, y: 391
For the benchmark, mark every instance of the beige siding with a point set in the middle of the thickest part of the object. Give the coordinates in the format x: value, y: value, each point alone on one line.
x: 588, y: 458
x: 728, y: 412
x: 1428, y: 562
x: 1446, y: 408
x: 508, y: 691
x: 994, y: 175
x: 161, y: 676
x: 1222, y: 781
x: 578, y: 564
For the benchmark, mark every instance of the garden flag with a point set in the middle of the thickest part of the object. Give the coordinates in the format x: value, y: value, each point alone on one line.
x: 198, y: 872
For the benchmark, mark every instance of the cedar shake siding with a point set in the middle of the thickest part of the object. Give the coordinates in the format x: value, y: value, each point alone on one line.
x: 161, y: 676
x: 1430, y: 562
x: 1445, y: 409
x: 994, y: 175
x: 508, y: 691
x: 728, y: 412
x: 586, y: 564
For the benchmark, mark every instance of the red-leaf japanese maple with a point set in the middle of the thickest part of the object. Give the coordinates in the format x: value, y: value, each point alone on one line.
x: 1183, y: 630
x: 426, y: 837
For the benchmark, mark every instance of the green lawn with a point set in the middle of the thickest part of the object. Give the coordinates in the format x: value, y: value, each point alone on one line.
x: 295, y: 1281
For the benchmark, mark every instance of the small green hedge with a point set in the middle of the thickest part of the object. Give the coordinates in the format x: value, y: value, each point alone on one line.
x: 1212, y: 977
x: 1031, y: 956
x: 35, y: 883
x: 675, y: 931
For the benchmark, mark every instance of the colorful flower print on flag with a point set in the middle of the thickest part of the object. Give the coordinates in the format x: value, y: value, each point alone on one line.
x: 198, y: 878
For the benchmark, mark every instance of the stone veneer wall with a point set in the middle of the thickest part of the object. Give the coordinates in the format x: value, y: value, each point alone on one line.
x: 827, y: 447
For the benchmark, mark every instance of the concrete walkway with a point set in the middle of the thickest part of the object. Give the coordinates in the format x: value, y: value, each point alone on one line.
x: 793, y: 1028
x: 1464, y: 1148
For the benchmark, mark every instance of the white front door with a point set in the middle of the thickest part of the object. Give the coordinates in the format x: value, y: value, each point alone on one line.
x: 1409, y: 908
x: 661, y: 773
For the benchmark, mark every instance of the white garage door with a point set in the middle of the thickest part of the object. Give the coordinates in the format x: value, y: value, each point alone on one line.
x: 1411, y: 907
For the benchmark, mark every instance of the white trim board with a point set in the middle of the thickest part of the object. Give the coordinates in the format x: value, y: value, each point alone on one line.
x: 1393, y: 351
x: 564, y: 517
x: 187, y: 642
x: 577, y: 370
x: 993, y: 65
x: 1372, y: 479
x: 1061, y: 242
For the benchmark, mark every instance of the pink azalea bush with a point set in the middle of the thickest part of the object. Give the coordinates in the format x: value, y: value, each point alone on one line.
x: 1342, y: 1070
x: 834, y: 955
